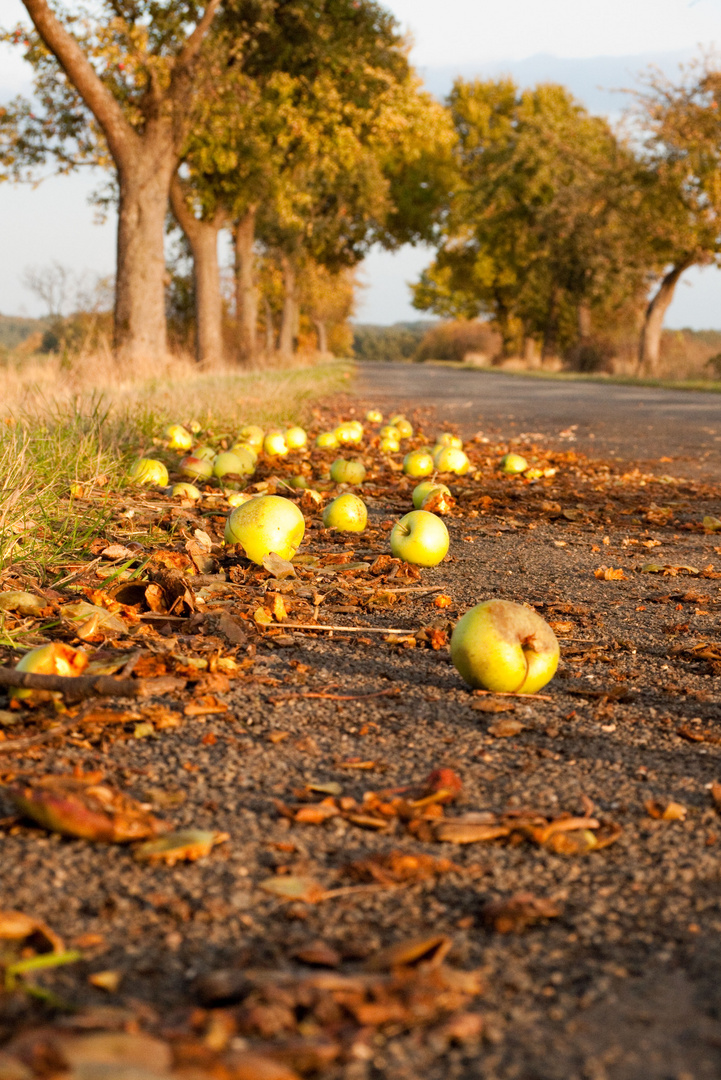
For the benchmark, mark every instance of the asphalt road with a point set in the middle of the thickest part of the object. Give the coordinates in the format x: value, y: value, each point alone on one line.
x: 637, y: 423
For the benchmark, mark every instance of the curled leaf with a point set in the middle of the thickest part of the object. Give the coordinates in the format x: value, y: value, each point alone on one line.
x: 187, y: 844
x: 23, y: 603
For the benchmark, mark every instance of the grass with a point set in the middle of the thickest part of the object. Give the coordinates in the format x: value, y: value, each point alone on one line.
x: 57, y: 432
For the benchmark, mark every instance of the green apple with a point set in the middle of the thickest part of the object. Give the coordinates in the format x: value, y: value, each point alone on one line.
x: 420, y: 491
x: 233, y: 463
x: 186, y: 491
x: 265, y: 524
x: 373, y: 416
x: 451, y: 459
x: 347, y: 513
x: 274, y: 444
x: 512, y: 464
x: 237, y: 498
x: 205, y: 453
x: 344, y: 471
x: 504, y: 647
x: 295, y: 438
x: 196, y: 468
x: 252, y: 434
x: 179, y: 438
x: 327, y: 441
x: 299, y: 482
x: 149, y: 471
x: 420, y: 538
x: 447, y: 439
x: 418, y: 463
x: 389, y: 446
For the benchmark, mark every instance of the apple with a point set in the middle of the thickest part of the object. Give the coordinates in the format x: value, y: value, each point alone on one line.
x: 237, y: 498
x: 373, y: 416
x: 179, y: 438
x: 344, y: 471
x: 389, y: 445
x: 418, y: 463
x: 447, y: 439
x: 149, y: 471
x: 55, y: 658
x: 196, y: 468
x: 299, y: 482
x: 513, y: 464
x: 420, y: 538
x: 186, y: 491
x: 194, y: 427
x: 274, y: 444
x: 327, y: 440
x: 349, y: 433
x: 533, y: 474
x: 233, y: 463
x: 205, y: 453
x: 390, y: 432
x: 252, y: 434
x: 504, y: 647
x: 438, y: 500
x: 404, y: 428
x: 247, y: 448
x: 347, y: 513
x: 451, y: 459
x: 265, y: 524
x: 295, y: 438
x: 420, y: 491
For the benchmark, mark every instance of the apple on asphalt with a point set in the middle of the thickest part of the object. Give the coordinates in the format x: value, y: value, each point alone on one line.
x: 418, y: 463
x: 347, y: 513
x: 420, y: 538
x: 504, y: 647
x: 265, y: 524
x: 347, y: 471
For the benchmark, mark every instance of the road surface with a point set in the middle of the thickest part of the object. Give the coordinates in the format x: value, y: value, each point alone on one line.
x: 637, y: 423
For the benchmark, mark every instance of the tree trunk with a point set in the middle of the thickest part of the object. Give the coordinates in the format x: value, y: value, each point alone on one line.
x: 289, y: 318
x: 203, y: 239
x: 650, y: 344
x: 269, y: 328
x: 145, y: 163
x: 321, y: 330
x: 246, y: 291
x: 550, y: 334
x: 584, y: 321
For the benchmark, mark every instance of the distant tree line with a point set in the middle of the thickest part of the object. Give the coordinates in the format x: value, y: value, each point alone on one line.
x: 300, y: 128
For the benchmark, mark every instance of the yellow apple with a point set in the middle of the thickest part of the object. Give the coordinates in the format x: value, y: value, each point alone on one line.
x: 247, y: 448
x: 265, y: 524
x: 403, y: 427
x: 205, y: 453
x: 327, y: 441
x: 349, y: 433
x: 344, y: 471
x: 389, y: 445
x: 420, y: 538
x: 513, y: 464
x: 149, y: 471
x: 504, y: 647
x: 446, y: 439
x: 186, y: 491
x: 418, y: 463
x: 55, y: 658
x: 179, y: 438
x: 274, y: 444
x: 196, y: 468
x: 233, y: 463
x: 295, y: 438
x: 237, y: 498
x: 450, y: 459
x: 422, y: 490
x: 373, y: 416
x: 347, y: 513
x: 252, y: 434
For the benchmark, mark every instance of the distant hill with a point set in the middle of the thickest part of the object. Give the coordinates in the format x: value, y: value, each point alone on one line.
x: 595, y: 80
x: 14, y: 330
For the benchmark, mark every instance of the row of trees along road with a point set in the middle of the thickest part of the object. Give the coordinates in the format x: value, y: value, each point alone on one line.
x: 299, y: 123
x: 556, y: 223
x: 300, y: 126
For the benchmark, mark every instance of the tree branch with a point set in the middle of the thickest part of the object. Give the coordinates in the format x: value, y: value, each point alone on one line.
x: 83, y: 686
x: 106, y: 110
x: 192, y: 45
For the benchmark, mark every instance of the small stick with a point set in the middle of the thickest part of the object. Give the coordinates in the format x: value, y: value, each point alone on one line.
x: 78, y: 573
x: 336, y: 697
x: 407, y: 589
x: 82, y: 686
x: 347, y: 629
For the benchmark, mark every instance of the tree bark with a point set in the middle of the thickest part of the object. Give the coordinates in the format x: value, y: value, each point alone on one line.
x: 289, y: 318
x: 145, y: 163
x: 246, y: 290
x: 203, y: 239
x: 549, y: 348
x: 584, y: 321
x: 269, y: 328
x: 649, y: 349
x: 321, y: 330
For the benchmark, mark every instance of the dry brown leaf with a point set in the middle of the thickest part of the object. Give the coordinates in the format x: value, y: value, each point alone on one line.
x: 514, y: 914
x: 607, y: 573
x: 506, y: 728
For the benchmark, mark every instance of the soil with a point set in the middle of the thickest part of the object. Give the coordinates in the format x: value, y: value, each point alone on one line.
x: 622, y: 983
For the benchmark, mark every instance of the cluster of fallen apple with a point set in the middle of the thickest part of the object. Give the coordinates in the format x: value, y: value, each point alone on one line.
x: 498, y: 645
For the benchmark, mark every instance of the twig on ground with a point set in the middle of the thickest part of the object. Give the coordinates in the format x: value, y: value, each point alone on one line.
x: 83, y: 686
x: 346, y: 629
x: 392, y: 692
x: 514, y: 693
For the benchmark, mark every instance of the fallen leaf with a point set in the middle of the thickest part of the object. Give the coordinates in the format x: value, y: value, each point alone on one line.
x: 493, y: 705
x: 514, y: 914
x: 292, y: 887
x: 606, y: 573
x: 665, y: 811
x: 24, y: 603
x: 106, y: 980
x: 186, y: 845
x: 16, y: 926
x: 429, y: 951
x: 506, y: 728
x: 278, y: 567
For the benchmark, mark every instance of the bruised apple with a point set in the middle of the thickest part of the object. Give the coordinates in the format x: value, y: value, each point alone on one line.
x: 55, y: 658
x: 422, y: 490
x: 504, y: 647
x: 196, y: 468
x: 265, y: 524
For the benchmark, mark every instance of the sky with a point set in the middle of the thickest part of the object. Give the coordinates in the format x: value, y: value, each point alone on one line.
x: 573, y: 41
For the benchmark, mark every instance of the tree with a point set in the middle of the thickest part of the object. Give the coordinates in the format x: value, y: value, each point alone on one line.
x: 680, y: 213
x: 133, y: 69
x: 536, y: 229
